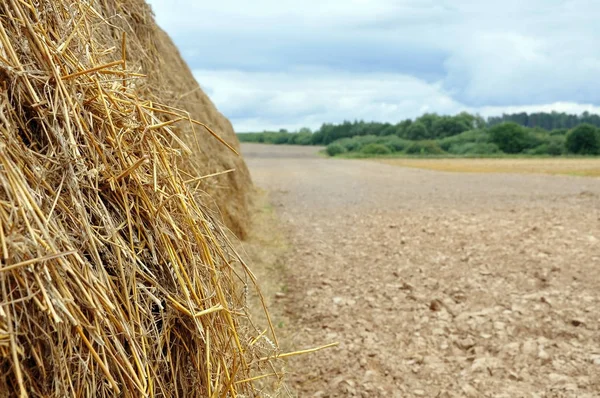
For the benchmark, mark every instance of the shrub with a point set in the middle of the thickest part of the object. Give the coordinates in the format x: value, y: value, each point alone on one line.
x: 367, y: 139
x: 281, y: 138
x: 417, y: 131
x: 447, y: 126
x: 583, y: 140
x: 556, y: 145
x: 559, y: 132
x: 510, y: 137
x: 471, y: 136
x: 354, y: 144
x: 424, y: 148
x: 474, y: 148
x: 537, y: 137
x: 553, y: 146
x: 334, y: 149
x: 301, y: 139
x: 349, y: 144
x: 486, y: 148
x: 395, y: 144
x: 375, y: 149
x: 538, y: 150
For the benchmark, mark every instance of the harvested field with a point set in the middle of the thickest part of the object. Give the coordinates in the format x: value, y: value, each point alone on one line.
x: 436, y: 284
x: 584, y: 167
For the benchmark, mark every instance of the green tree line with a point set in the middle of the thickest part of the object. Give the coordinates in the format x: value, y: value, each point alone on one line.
x: 547, y: 121
x: 505, y: 138
x: 462, y: 134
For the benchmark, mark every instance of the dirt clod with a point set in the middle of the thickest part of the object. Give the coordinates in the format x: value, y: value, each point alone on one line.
x: 435, y: 305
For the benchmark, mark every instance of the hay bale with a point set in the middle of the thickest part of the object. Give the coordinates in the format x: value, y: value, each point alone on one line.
x: 115, y: 277
x: 171, y: 82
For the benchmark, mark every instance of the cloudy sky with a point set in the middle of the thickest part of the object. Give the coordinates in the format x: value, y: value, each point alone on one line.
x: 270, y: 64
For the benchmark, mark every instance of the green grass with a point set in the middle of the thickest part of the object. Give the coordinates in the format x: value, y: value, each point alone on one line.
x: 400, y: 155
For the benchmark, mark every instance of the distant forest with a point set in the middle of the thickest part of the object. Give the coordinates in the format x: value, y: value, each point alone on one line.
x: 547, y: 121
x: 428, y: 126
x: 539, y: 133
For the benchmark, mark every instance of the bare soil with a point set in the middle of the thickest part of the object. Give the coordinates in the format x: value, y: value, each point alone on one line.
x: 435, y: 284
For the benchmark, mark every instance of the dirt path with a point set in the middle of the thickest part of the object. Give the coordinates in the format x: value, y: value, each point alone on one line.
x: 436, y: 284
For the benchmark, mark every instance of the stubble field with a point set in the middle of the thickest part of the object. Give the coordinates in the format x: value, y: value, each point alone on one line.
x: 585, y: 167
x: 435, y: 284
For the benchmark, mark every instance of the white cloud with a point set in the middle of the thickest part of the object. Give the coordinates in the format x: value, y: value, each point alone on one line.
x: 225, y: 14
x: 309, y: 98
x: 283, y: 63
x: 263, y: 100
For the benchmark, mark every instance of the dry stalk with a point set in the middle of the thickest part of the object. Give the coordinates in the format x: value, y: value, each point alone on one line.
x: 115, y: 279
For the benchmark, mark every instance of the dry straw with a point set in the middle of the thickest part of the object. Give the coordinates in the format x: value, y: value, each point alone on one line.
x: 114, y: 279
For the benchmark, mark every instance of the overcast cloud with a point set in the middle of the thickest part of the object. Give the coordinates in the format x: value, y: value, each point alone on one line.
x: 270, y: 64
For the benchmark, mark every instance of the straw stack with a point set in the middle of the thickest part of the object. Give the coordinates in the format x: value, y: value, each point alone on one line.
x: 170, y: 81
x: 115, y: 280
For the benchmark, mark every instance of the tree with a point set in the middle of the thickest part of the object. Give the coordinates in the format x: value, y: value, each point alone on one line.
x: 472, y: 121
x: 583, y: 140
x: 447, y: 126
x: 402, y: 128
x: 417, y: 131
x: 479, y: 122
x: 387, y: 129
x: 510, y: 137
x: 428, y: 119
x: 547, y: 121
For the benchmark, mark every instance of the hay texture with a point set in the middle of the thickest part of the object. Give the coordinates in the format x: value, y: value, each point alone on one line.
x: 115, y: 277
x: 170, y: 81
